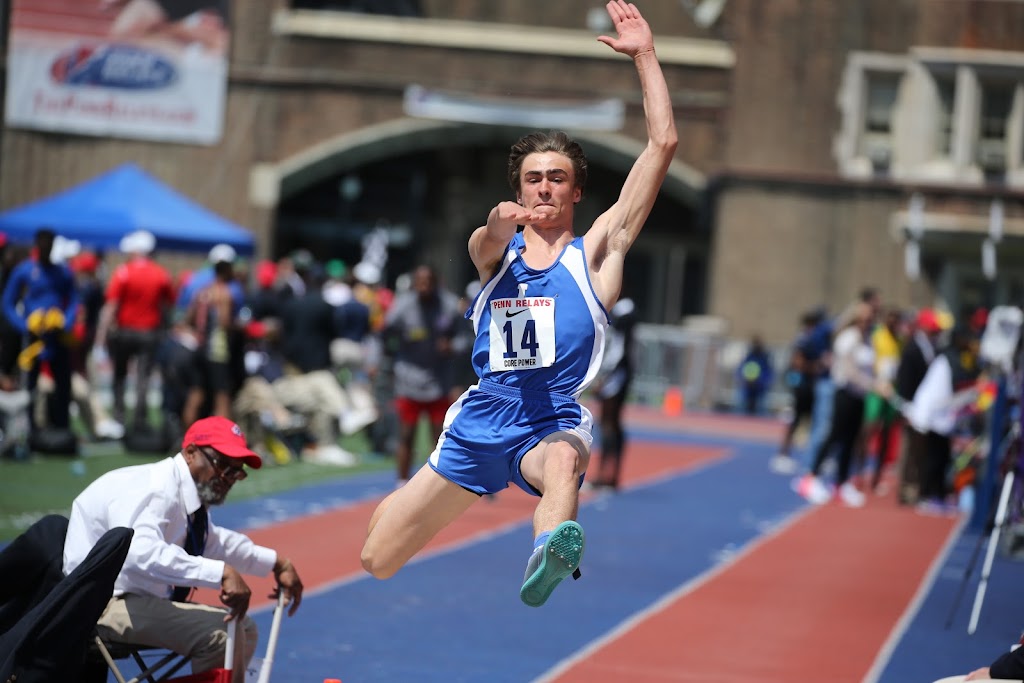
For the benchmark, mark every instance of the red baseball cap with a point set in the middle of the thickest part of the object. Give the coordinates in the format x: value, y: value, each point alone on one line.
x: 86, y: 262
x: 933, y: 321
x: 266, y: 273
x: 224, y: 436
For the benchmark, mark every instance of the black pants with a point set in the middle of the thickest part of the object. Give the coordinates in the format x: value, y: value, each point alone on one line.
x: 803, y: 409
x: 58, y: 404
x: 141, y: 345
x: 847, y: 419
x: 613, y: 439
x: 937, y: 458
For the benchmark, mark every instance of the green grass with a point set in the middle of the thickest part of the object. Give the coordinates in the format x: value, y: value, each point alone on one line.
x: 48, y: 484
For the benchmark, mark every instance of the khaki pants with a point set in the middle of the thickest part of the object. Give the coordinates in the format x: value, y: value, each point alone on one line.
x: 319, y: 395
x: 186, y: 628
x: 90, y: 407
x: 257, y: 396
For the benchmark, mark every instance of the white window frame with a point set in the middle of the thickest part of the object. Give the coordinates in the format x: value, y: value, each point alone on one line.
x: 914, y: 155
x: 848, y: 146
x: 972, y: 68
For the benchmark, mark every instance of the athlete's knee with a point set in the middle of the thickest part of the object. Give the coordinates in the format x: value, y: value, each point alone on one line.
x: 376, y: 563
x: 563, y: 460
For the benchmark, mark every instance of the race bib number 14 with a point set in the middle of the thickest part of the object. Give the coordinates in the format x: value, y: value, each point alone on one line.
x: 522, y: 333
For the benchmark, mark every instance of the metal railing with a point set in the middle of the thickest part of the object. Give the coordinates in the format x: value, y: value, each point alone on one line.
x: 701, y: 364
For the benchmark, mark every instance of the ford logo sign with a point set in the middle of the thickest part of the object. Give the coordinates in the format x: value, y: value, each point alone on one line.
x: 113, y: 66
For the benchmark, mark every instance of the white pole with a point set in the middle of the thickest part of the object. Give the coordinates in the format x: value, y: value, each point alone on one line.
x: 1004, y: 497
x: 229, y: 651
x: 275, y: 627
x: 915, y: 231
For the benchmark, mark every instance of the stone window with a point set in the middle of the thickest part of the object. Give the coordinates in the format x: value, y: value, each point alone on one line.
x: 936, y: 114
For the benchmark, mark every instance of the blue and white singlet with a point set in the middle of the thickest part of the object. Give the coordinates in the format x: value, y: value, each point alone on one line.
x: 539, y: 343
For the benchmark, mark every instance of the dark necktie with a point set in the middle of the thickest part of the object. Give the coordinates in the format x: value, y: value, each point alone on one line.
x: 195, y: 542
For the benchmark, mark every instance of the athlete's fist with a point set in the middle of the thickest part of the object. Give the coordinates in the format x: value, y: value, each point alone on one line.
x: 511, y: 212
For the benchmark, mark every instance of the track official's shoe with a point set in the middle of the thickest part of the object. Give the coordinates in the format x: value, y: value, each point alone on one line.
x: 559, y: 558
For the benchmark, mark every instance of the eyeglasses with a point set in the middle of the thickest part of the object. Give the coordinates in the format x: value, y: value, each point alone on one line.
x: 225, y: 470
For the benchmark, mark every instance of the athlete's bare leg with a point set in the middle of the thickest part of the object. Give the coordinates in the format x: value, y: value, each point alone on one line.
x: 407, y: 519
x: 554, y: 467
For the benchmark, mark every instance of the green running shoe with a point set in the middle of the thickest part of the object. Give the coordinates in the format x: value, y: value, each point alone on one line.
x: 559, y: 558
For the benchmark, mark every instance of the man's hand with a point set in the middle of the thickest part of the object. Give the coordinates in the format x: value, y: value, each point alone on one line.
x: 234, y: 593
x: 288, y: 580
x: 978, y: 675
x: 635, y: 36
x: 512, y: 214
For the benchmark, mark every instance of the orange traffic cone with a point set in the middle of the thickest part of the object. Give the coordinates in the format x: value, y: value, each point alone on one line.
x: 672, y: 404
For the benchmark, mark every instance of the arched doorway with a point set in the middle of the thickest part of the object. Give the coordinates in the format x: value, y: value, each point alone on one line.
x: 429, y: 184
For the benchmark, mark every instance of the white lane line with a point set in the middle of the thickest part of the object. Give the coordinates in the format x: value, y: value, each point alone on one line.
x: 903, y: 623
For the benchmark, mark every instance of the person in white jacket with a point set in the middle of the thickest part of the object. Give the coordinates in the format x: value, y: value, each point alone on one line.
x: 948, y: 386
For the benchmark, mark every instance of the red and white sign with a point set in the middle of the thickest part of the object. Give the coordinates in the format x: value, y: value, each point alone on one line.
x: 148, y: 69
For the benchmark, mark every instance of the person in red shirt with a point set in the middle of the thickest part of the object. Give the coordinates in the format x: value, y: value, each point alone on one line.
x: 132, y: 320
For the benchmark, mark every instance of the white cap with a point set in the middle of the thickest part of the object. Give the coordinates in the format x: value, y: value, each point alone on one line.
x: 623, y: 307
x: 138, y: 242
x: 64, y: 249
x: 367, y: 273
x: 222, y: 253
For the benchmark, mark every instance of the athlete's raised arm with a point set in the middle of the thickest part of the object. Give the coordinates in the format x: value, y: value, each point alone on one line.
x: 617, y: 228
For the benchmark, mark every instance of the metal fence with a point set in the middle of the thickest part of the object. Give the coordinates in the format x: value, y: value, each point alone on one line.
x: 701, y: 364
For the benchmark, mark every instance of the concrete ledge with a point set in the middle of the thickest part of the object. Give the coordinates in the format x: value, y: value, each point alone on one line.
x: 471, y: 35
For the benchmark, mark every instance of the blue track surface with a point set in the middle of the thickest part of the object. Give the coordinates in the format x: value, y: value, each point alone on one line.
x: 456, y: 616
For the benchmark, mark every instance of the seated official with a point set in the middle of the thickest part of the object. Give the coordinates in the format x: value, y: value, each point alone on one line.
x: 177, y: 547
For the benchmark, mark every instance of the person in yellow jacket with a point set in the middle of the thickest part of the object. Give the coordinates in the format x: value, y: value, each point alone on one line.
x: 880, y: 415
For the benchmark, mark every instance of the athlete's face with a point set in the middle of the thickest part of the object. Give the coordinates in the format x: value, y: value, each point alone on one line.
x: 547, y: 185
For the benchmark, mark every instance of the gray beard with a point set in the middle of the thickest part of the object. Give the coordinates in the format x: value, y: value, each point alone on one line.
x: 208, y: 495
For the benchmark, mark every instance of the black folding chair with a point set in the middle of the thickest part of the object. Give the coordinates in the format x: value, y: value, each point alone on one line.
x: 46, y: 618
x: 159, y: 667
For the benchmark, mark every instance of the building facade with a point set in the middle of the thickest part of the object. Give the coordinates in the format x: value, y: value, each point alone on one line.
x: 817, y: 139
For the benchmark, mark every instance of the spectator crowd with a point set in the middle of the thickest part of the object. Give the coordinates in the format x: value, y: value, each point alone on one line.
x: 298, y: 352
x: 301, y: 353
x: 885, y: 390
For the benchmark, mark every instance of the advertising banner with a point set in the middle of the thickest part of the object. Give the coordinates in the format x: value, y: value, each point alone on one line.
x: 606, y: 114
x: 146, y: 69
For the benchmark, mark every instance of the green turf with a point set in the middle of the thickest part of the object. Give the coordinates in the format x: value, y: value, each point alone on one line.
x: 45, y: 484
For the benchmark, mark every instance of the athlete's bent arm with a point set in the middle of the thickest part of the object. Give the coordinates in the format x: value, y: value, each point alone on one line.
x: 487, y: 243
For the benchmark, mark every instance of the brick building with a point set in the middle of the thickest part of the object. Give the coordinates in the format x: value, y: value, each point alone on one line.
x: 806, y: 127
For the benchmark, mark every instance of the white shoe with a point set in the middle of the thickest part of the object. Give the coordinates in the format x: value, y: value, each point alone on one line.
x: 12, y: 402
x: 812, y: 489
x: 851, y: 496
x: 330, y: 455
x: 110, y: 429
x: 782, y: 464
x: 352, y: 421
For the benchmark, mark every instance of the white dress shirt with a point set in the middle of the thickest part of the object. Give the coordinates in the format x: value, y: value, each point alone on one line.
x: 155, y: 500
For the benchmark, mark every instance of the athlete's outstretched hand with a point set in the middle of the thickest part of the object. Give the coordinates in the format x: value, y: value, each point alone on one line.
x: 634, y: 34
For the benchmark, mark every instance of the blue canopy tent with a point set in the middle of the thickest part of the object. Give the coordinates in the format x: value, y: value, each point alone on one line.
x: 99, y: 212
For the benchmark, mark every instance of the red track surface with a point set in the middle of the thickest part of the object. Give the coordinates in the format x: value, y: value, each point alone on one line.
x: 780, y: 613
